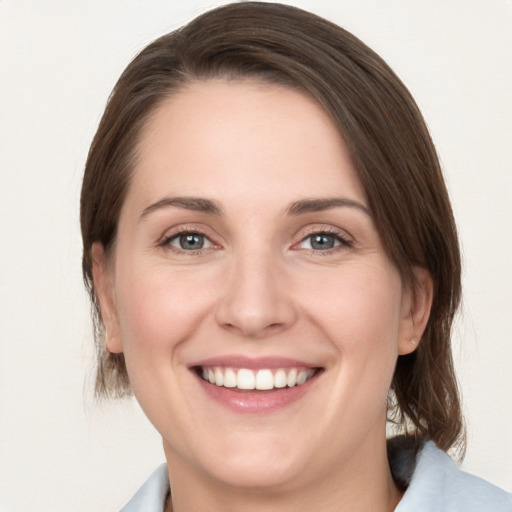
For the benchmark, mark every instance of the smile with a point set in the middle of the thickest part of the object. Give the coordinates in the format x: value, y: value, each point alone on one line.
x: 262, y: 379
x: 256, y: 385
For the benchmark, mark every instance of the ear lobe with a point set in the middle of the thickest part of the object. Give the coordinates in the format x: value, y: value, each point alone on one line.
x: 416, y: 311
x: 103, y: 288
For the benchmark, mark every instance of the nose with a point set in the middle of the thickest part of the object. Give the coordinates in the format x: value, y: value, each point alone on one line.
x: 255, y: 301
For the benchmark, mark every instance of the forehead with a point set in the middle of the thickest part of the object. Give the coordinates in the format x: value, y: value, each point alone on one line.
x: 234, y: 139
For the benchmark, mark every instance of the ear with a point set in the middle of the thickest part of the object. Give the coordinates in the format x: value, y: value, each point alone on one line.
x: 104, y: 289
x: 415, y: 310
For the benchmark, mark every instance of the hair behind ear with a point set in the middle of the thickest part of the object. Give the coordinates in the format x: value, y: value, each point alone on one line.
x: 111, y: 374
x: 426, y: 391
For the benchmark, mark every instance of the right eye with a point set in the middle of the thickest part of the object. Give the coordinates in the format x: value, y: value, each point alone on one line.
x: 188, y: 241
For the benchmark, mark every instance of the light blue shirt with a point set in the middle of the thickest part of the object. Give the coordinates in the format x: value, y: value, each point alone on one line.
x: 437, y: 485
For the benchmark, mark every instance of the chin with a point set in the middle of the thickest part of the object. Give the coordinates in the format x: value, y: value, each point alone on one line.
x: 254, y: 460
x: 258, y: 472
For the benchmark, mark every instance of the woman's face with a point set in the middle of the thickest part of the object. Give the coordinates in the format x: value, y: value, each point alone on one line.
x: 247, y: 256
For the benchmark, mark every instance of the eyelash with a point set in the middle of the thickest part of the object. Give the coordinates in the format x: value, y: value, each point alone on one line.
x: 166, y: 241
x: 344, y: 241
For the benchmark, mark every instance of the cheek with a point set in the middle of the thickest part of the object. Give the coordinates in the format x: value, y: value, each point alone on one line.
x: 360, y: 311
x: 158, y: 308
x: 159, y: 311
x: 363, y: 303
x: 363, y: 323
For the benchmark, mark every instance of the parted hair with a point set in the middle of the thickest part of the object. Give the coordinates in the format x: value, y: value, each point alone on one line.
x: 390, y: 147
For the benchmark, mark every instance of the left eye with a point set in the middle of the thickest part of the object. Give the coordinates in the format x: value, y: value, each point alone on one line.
x: 321, y: 242
x: 189, y: 241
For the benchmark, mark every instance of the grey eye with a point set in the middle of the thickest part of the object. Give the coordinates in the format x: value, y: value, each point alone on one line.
x: 320, y: 242
x: 190, y: 242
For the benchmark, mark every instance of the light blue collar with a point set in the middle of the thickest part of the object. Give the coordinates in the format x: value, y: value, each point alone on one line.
x: 435, y: 484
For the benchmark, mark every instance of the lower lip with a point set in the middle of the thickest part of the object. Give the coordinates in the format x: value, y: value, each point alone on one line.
x: 254, y: 401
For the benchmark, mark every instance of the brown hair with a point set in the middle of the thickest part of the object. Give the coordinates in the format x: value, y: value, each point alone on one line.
x: 386, y: 135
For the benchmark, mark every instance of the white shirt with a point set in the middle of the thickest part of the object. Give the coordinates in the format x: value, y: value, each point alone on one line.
x: 436, y: 485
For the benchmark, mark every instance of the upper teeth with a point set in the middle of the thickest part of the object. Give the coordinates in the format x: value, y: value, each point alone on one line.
x: 244, y: 378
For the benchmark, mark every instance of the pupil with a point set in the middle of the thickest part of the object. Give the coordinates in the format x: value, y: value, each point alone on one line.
x: 322, y: 242
x: 191, y: 241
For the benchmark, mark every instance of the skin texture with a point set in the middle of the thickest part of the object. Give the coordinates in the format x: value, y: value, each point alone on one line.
x: 257, y: 288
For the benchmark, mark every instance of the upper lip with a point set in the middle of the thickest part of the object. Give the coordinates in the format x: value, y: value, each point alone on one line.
x: 256, y: 363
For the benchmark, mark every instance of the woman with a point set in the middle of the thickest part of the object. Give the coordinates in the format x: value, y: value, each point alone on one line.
x: 271, y: 252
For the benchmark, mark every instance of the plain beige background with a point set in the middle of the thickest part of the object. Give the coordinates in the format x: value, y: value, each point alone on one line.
x: 59, y: 450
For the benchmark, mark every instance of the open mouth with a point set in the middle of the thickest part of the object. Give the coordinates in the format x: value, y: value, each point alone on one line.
x: 264, y: 379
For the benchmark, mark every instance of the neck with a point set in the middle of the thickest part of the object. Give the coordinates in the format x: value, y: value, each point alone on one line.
x: 363, y: 483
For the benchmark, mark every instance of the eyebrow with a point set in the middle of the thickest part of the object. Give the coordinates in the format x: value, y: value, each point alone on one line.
x: 202, y: 205
x: 195, y: 204
x: 319, y: 205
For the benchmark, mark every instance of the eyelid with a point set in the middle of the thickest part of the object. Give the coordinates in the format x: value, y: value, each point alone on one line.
x: 177, y: 237
x: 345, y: 239
x: 177, y: 231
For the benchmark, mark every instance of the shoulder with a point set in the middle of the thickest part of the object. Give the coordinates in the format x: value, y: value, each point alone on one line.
x: 438, y: 485
x: 152, y: 495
